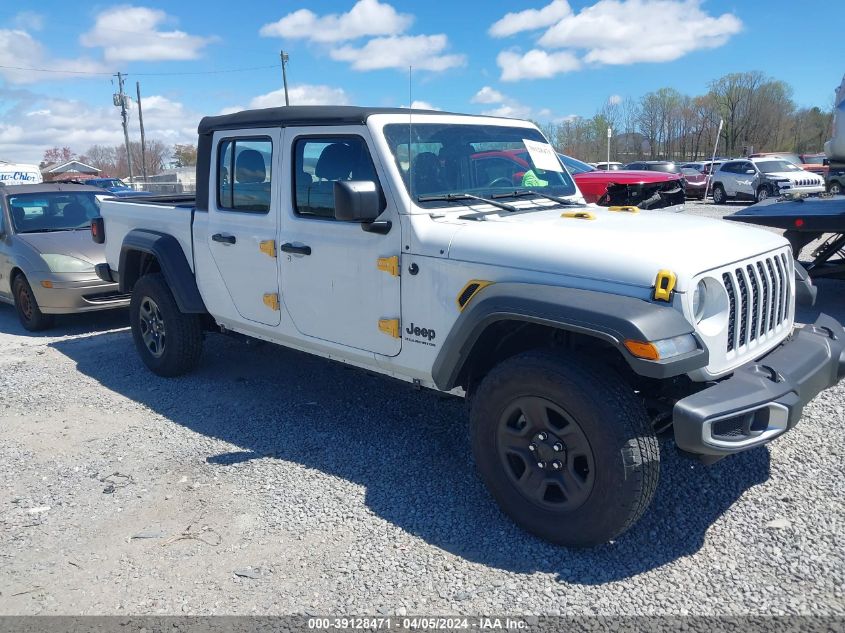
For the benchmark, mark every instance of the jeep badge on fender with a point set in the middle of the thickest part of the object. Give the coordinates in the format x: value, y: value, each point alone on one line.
x: 557, y: 320
x: 420, y: 332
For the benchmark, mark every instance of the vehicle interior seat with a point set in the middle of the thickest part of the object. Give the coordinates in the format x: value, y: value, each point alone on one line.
x: 19, y: 218
x: 74, y: 214
x: 426, y: 174
x: 336, y: 162
x: 252, y: 189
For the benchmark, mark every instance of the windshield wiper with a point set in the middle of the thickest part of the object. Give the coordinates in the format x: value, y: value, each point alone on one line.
x: 520, y: 193
x: 44, y: 230
x: 456, y: 197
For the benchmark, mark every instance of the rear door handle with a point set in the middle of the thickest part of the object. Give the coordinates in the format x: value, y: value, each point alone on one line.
x: 287, y: 247
x: 225, y: 239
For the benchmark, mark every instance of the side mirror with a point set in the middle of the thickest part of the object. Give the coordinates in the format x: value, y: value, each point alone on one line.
x: 357, y: 201
x: 826, y: 161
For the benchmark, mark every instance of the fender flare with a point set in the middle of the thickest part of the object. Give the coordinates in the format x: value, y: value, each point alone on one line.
x: 608, y: 317
x: 174, y: 266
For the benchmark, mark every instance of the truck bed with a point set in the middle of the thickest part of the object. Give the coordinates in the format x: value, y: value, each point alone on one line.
x: 170, y: 215
x: 812, y: 215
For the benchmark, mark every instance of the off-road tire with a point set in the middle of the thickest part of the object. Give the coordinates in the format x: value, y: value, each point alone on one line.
x: 182, y: 348
x: 719, y: 195
x: 26, y: 305
x: 614, y: 422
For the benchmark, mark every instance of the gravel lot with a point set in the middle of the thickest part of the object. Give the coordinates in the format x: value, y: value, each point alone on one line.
x: 270, y: 482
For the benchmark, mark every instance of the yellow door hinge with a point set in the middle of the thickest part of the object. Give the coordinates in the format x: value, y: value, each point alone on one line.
x: 389, y: 326
x: 271, y: 300
x: 389, y: 265
x: 268, y: 247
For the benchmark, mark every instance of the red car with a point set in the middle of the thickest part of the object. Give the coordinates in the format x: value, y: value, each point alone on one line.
x: 645, y: 189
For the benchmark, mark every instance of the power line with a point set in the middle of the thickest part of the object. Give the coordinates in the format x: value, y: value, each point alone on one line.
x: 89, y: 72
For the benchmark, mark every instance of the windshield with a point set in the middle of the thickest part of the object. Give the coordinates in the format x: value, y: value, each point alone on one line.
x: 775, y: 166
x: 669, y: 168
x: 482, y: 160
x: 574, y: 165
x: 814, y: 160
x: 52, y: 211
x: 689, y: 171
x: 113, y: 182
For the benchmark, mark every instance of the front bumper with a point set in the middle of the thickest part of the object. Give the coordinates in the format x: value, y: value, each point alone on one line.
x: 764, y: 398
x: 68, y: 296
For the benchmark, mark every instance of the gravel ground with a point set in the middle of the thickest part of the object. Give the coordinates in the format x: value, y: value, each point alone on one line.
x: 270, y: 482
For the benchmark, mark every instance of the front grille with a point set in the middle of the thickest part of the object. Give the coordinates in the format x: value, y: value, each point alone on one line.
x: 806, y: 182
x: 759, y: 297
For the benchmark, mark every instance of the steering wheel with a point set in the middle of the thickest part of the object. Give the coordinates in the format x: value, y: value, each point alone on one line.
x: 501, y: 181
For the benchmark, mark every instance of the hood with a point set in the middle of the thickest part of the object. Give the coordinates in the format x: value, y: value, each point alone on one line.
x: 74, y: 243
x: 617, y: 247
x: 792, y: 175
x: 625, y: 177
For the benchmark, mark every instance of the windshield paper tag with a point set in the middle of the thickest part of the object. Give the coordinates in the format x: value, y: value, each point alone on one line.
x: 542, y: 155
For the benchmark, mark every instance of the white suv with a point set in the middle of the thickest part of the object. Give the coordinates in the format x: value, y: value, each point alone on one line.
x: 760, y: 178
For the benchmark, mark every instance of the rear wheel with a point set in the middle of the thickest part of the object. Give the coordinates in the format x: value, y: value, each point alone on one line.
x: 719, y: 195
x: 565, y: 447
x: 168, y: 341
x: 26, y: 305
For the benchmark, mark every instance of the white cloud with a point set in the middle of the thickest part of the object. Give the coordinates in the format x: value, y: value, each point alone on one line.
x: 488, y: 95
x: 422, y: 105
x: 512, y: 110
x: 28, y: 21
x: 37, y: 122
x: 614, y: 99
x: 631, y: 31
x: 505, y: 105
x: 365, y: 18
x: 535, y: 64
x: 531, y: 19
x: 423, y: 52
x: 19, y: 48
x: 128, y: 33
x: 302, y: 94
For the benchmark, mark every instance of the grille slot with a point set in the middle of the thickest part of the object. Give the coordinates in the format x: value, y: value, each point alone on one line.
x: 759, y: 296
x: 729, y: 287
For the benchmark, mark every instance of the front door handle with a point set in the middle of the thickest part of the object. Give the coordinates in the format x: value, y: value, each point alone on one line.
x: 287, y: 247
x: 225, y: 239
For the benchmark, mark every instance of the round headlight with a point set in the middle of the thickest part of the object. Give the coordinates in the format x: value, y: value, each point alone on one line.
x: 698, y: 297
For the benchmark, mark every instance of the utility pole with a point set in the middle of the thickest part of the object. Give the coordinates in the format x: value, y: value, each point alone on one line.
x: 120, y: 101
x: 284, y: 57
x: 143, y: 140
x: 609, y: 133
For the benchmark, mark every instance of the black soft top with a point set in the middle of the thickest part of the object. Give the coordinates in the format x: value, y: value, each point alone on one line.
x: 298, y: 115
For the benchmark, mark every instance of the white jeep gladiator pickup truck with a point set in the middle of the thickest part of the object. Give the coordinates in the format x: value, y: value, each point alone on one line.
x: 392, y: 241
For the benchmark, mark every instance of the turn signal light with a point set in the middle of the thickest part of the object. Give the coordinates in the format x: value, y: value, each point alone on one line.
x: 648, y: 351
x: 46, y: 284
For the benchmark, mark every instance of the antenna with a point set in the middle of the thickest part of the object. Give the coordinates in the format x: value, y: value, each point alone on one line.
x: 410, y: 127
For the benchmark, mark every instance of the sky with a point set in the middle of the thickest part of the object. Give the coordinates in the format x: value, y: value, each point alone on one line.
x: 545, y: 59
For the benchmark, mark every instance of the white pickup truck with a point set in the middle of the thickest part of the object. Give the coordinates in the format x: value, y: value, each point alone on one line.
x: 400, y: 242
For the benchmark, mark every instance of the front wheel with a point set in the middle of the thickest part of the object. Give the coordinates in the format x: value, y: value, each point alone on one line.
x: 168, y: 341
x: 835, y: 188
x: 26, y: 305
x: 564, y: 447
x: 719, y: 195
x: 762, y: 193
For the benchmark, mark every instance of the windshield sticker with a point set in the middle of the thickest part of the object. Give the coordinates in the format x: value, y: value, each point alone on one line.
x: 542, y: 155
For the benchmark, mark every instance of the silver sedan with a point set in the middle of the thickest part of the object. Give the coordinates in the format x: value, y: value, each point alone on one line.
x: 47, y: 256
